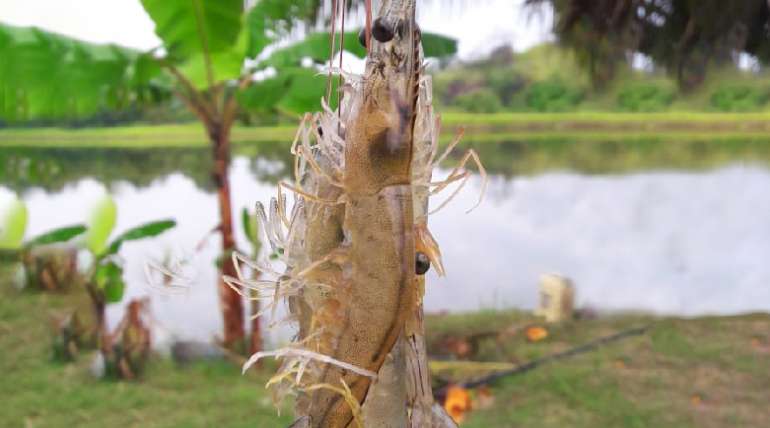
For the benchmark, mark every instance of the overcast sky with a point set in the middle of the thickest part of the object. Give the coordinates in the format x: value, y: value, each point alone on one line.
x: 480, y: 27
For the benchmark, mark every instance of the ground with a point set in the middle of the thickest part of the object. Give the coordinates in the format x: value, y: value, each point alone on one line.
x: 706, y: 372
x: 38, y: 392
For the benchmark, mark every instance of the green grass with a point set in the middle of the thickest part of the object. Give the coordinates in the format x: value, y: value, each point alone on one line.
x: 38, y: 392
x: 642, y: 381
x: 480, y: 127
x: 136, y: 136
x: 694, y: 118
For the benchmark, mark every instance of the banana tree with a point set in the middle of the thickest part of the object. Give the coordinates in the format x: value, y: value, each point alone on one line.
x: 105, y: 282
x: 46, y: 78
x: 206, y: 44
x: 53, y: 271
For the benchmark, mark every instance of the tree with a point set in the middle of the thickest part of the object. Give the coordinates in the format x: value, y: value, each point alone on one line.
x: 684, y: 36
x: 45, y: 77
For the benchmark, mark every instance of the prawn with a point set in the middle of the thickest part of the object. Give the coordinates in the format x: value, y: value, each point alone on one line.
x: 356, y: 243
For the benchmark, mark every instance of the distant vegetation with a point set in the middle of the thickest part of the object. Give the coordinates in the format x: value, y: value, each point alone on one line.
x: 687, y: 39
x: 550, y: 78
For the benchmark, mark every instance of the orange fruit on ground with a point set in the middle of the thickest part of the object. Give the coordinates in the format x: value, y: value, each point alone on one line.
x: 536, y: 333
x: 457, y: 403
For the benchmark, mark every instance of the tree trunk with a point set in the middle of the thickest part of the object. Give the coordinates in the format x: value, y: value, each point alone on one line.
x: 230, y: 301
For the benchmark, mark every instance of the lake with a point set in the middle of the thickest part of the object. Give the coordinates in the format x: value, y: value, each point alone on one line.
x: 671, y: 228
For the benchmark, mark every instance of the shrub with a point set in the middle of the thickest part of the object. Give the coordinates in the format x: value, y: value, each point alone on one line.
x: 645, y: 97
x: 479, y: 101
x: 739, y: 98
x: 506, y: 83
x: 553, y: 96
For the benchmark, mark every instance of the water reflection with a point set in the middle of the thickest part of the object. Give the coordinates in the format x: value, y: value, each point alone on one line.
x: 673, y: 229
x: 23, y: 168
x: 52, y: 169
x: 671, y: 242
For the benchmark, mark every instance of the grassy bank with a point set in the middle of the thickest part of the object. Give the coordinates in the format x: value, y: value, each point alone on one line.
x: 479, y: 128
x: 707, y: 372
x: 38, y: 392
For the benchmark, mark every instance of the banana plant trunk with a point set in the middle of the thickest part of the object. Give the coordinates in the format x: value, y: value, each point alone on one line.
x: 230, y: 301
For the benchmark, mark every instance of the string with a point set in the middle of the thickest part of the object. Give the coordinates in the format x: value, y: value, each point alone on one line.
x: 332, y: 37
x: 342, y: 48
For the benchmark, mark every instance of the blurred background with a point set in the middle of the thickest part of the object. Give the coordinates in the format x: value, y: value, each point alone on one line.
x: 628, y: 149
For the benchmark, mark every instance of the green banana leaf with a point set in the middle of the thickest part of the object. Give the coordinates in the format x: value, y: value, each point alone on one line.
x: 109, y: 279
x: 101, y: 224
x: 13, y: 224
x: 146, y: 230
x: 62, y: 234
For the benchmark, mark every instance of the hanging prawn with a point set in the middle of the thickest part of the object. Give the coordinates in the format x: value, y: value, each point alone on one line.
x: 352, y: 240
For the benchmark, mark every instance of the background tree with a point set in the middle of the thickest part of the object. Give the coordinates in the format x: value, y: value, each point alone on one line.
x: 684, y: 36
x: 48, y: 78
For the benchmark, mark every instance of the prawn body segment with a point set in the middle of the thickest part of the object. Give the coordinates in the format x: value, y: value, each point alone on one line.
x: 380, y: 250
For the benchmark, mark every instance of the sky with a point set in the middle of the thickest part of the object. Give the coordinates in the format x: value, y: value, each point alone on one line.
x: 480, y: 27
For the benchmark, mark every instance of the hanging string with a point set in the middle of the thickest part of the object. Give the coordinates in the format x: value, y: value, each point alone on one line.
x: 342, y: 49
x: 332, y: 36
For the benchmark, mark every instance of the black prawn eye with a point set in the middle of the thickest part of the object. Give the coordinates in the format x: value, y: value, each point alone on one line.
x: 362, y: 37
x: 382, y: 30
x: 422, y: 263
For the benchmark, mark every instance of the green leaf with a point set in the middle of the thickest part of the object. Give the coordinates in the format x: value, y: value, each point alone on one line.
x: 203, y: 35
x: 192, y: 27
x: 62, y: 234
x: 101, y: 223
x: 263, y: 96
x: 295, y: 90
x: 250, y: 227
x: 144, y: 70
x: 48, y: 76
x: 438, y: 46
x: 105, y: 272
x: 147, y: 230
x: 109, y: 279
x: 306, y: 88
x: 316, y: 47
x: 113, y: 292
x: 13, y: 224
x: 269, y: 20
x: 226, y: 65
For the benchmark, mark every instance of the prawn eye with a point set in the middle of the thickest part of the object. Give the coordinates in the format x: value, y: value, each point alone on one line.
x: 382, y: 31
x: 362, y: 37
x: 422, y: 263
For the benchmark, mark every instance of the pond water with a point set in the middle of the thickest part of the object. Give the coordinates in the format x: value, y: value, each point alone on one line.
x: 678, y: 228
